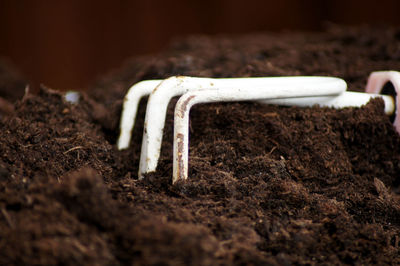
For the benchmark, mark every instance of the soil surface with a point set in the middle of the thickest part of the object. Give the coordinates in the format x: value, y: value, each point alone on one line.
x: 268, y: 185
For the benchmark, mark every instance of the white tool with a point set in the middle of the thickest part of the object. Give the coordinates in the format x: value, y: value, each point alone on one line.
x: 300, y: 91
x: 130, y: 107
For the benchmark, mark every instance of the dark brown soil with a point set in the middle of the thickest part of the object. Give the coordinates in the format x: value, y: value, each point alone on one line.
x: 268, y: 185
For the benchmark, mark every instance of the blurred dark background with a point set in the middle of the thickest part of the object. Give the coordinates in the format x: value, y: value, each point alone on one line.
x: 67, y: 44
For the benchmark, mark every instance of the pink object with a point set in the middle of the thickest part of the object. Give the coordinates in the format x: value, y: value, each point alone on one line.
x: 375, y: 84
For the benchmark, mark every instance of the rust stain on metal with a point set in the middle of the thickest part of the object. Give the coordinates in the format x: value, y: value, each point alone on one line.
x: 180, y: 138
x: 155, y: 89
x: 184, y: 105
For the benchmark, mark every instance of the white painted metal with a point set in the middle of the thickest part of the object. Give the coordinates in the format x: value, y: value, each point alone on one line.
x: 346, y: 99
x: 130, y: 107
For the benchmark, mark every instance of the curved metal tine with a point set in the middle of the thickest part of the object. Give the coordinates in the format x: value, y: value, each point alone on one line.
x: 130, y: 107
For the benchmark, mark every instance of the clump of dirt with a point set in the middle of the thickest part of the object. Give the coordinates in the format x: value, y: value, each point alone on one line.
x: 267, y: 184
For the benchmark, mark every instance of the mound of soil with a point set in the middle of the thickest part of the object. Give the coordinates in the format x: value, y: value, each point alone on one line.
x: 268, y: 185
